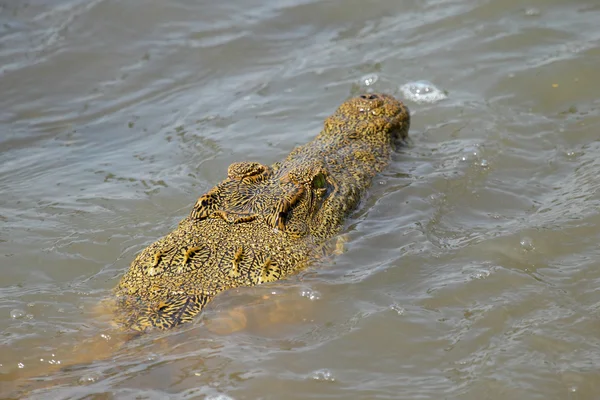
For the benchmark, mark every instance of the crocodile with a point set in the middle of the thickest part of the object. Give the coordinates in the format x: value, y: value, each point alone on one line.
x: 263, y: 223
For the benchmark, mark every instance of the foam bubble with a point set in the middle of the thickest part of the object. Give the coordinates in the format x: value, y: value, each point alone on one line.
x: 17, y: 314
x: 422, y: 92
x: 369, y: 79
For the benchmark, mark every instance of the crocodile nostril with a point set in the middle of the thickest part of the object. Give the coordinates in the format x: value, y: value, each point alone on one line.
x: 369, y: 96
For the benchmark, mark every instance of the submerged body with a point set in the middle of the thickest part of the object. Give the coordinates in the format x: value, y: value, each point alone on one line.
x: 263, y: 223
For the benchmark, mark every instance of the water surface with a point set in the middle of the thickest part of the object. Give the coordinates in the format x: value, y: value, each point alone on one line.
x: 470, y: 272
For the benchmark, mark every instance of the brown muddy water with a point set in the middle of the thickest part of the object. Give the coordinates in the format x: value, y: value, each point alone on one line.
x: 472, y: 271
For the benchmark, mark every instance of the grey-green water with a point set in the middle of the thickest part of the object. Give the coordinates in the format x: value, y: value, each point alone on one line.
x: 471, y: 271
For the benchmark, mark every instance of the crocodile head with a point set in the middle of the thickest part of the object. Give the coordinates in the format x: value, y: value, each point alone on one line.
x: 262, y: 222
x: 336, y: 168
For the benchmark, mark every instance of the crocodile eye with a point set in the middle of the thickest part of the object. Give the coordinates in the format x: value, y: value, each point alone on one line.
x: 319, y: 181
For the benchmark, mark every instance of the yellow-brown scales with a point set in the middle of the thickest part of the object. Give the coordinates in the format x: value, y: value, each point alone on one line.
x: 263, y: 223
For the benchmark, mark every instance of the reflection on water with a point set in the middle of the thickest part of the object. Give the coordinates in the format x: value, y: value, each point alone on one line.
x: 470, y: 272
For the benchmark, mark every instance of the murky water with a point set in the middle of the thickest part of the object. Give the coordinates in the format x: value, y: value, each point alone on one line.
x: 471, y: 271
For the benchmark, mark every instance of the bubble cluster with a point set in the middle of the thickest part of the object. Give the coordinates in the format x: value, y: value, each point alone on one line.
x: 17, y: 314
x: 527, y: 244
x: 51, y: 361
x: 533, y: 12
x: 323, y: 375
x: 573, y: 154
x: 105, y: 336
x: 310, y: 294
x: 89, y: 378
x: 398, y: 309
x: 422, y: 92
x: 480, y: 274
x: 369, y: 79
x: 472, y: 154
x: 219, y: 397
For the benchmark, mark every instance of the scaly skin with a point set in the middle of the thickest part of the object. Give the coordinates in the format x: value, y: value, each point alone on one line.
x: 263, y: 223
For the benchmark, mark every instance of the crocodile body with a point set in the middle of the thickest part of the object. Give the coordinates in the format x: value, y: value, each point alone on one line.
x: 263, y: 223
